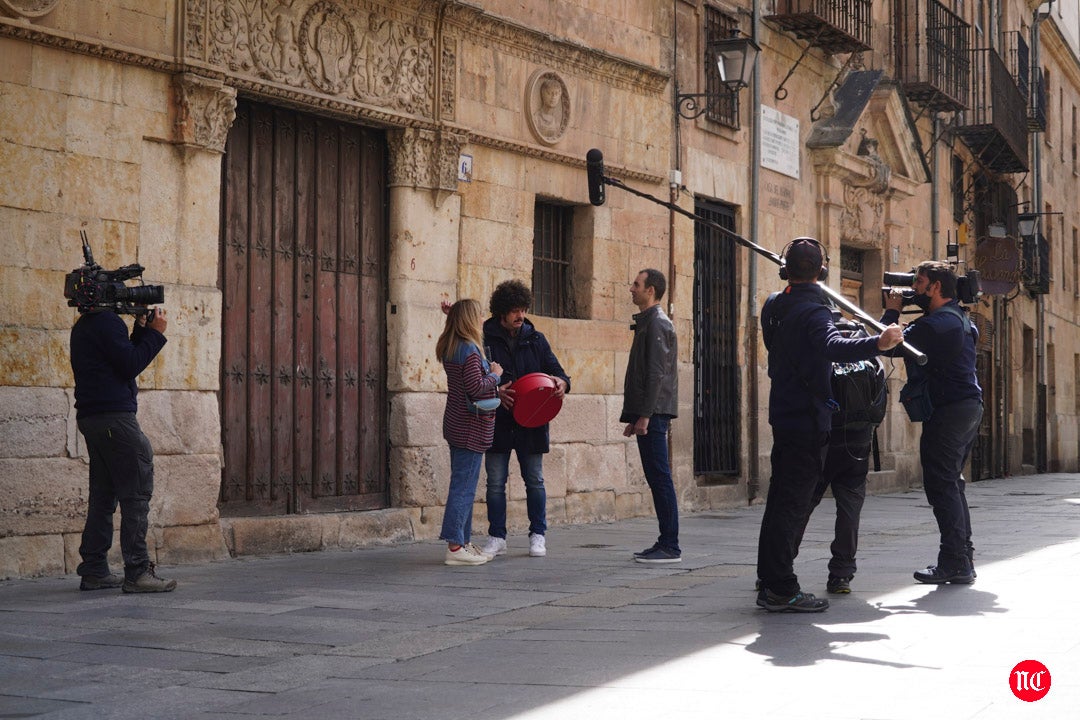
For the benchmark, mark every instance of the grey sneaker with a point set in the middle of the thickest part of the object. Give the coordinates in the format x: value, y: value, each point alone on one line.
x: 149, y: 582
x: 537, y: 545
x: 799, y: 602
x: 105, y: 582
x: 657, y: 556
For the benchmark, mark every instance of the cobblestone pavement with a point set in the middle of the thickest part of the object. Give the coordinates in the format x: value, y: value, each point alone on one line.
x: 582, y: 633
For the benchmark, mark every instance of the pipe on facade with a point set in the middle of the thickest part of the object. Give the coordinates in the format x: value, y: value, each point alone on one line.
x: 1040, y: 305
x: 753, y: 480
x: 935, y: 217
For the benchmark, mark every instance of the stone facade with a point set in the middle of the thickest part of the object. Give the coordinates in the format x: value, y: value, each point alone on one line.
x: 114, y: 121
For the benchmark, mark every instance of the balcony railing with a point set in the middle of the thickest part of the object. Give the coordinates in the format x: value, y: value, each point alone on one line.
x: 933, y: 54
x: 1036, y: 112
x: 836, y: 26
x: 995, y: 123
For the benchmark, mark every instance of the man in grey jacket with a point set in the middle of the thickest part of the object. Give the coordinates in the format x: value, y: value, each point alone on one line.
x: 650, y: 401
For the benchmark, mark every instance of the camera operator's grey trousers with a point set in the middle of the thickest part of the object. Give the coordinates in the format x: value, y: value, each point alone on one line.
x: 121, y: 473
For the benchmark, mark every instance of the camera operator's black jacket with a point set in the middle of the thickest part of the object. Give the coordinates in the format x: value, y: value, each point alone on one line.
x: 528, y: 353
x: 106, y: 362
x: 950, y: 353
x: 798, y: 330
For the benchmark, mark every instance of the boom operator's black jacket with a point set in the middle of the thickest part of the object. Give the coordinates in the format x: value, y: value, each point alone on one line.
x: 798, y: 330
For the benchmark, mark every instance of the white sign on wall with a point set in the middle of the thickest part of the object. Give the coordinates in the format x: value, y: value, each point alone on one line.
x: 779, y: 142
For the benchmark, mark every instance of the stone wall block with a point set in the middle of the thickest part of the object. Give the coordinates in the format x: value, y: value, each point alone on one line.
x: 375, y: 527
x: 33, y: 422
x: 266, y: 535
x: 31, y: 556
x: 592, y: 466
x: 590, y: 507
x: 416, y: 419
x: 580, y: 420
x: 42, y: 495
x: 633, y: 504
x: 186, y: 489
x: 179, y: 423
x: 187, y: 544
x: 419, y: 476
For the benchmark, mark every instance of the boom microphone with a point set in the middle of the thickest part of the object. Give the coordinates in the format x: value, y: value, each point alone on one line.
x: 594, y: 163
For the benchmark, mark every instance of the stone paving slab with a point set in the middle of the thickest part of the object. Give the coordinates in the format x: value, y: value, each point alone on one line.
x: 392, y: 633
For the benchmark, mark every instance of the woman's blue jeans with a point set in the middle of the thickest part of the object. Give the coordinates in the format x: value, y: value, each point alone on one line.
x: 532, y: 471
x: 464, y: 475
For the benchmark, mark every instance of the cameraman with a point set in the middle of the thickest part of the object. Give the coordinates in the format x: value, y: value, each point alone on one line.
x: 105, y: 363
x: 948, y: 338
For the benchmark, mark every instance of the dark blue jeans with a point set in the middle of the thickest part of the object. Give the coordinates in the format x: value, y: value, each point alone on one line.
x: 121, y: 472
x: 946, y: 441
x: 797, y: 460
x: 532, y: 472
x: 653, y: 449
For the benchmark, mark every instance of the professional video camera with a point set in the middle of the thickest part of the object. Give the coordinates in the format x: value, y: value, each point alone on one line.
x: 90, y: 287
x: 968, y: 289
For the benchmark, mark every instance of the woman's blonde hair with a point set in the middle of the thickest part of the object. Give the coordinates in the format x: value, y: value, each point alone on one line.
x: 464, y: 324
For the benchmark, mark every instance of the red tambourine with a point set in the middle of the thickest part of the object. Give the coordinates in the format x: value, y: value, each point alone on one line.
x: 535, y: 403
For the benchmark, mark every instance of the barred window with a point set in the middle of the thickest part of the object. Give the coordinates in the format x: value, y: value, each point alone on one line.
x: 552, y: 246
x: 719, y: 26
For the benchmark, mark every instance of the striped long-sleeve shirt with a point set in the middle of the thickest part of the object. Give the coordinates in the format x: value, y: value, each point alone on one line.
x: 466, y: 377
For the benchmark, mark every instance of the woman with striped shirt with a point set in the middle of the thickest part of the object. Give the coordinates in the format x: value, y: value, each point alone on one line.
x: 468, y: 431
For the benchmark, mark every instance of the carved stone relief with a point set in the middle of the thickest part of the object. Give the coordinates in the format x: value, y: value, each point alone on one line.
x: 547, y: 106
x: 428, y: 159
x: 862, y: 219
x: 355, y: 52
x: 205, y: 110
x: 28, y: 8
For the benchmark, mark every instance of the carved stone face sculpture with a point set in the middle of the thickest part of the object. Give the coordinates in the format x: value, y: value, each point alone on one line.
x: 548, y: 107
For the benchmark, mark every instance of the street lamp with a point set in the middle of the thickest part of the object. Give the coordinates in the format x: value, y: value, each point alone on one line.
x: 1026, y: 222
x: 734, y: 57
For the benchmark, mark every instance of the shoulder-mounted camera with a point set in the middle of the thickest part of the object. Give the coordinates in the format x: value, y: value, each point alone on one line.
x: 968, y: 289
x: 91, y: 287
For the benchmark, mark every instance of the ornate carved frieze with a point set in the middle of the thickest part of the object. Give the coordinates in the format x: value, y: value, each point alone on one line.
x: 361, y: 52
x: 28, y: 8
x: 204, y: 111
x: 862, y: 219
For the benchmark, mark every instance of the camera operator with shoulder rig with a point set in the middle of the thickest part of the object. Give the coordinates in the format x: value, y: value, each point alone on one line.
x: 106, y: 362
x: 945, y: 396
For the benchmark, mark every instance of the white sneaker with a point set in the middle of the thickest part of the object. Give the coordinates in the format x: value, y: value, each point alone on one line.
x: 537, y: 545
x: 467, y: 554
x: 494, y: 546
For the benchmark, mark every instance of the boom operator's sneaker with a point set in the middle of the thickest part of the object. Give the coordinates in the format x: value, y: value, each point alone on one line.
x: 467, y: 554
x: 799, y: 602
x: 937, y: 575
x: 838, y: 585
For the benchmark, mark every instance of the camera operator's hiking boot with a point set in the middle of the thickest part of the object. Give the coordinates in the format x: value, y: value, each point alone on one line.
x: 838, y: 585
x: 799, y: 602
x: 149, y: 582
x: 936, y: 575
x: 105, y: 582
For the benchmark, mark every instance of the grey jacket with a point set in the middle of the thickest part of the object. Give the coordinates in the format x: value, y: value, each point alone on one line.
x: 652, y: 382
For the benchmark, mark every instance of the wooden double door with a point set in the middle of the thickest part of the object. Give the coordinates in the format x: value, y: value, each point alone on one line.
x: 303, y: 375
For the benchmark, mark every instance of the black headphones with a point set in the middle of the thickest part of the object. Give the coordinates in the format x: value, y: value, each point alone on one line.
x: 823, y: 274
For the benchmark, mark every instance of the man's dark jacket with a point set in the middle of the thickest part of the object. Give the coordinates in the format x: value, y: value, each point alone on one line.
x: 798, y: 330
x: 651, y: 385
x: 106, y: 362
x: 528, y: 354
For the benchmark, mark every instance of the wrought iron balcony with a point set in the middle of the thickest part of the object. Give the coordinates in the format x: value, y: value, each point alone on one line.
x: 836, y: 26
x: 1036, y: 111
x: 933, y: 54
x: 995, y: 123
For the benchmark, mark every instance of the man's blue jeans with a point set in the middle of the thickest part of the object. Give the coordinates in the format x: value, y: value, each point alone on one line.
x: 653, y: 449
x: 946, y: 440
x: 464, y: 474
x: 532, y: 471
